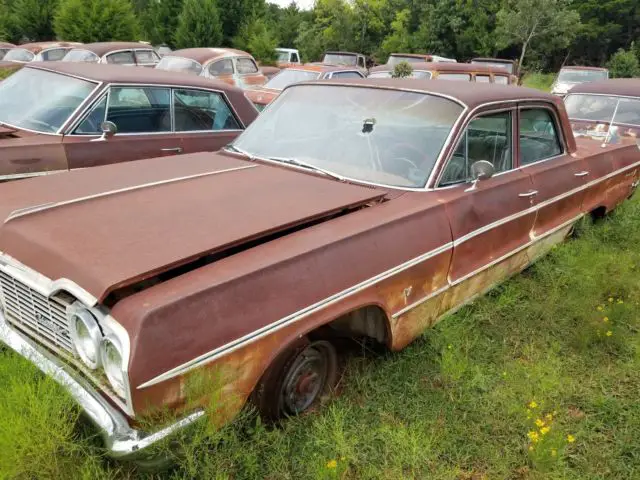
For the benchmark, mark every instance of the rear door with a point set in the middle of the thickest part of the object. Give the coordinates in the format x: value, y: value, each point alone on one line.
x: 142, y: 115
x: 558, y: 178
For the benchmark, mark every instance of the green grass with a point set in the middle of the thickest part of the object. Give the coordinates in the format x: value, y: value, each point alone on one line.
x: 5, y: 72
x: 455, y: 405
x: 541, y: 81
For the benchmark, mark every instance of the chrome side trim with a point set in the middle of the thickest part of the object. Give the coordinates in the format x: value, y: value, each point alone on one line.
x: 47, y: 206
x: 121, y: 440
x: 16, y: 176
x: 299, y: 315
x: 294, y: 317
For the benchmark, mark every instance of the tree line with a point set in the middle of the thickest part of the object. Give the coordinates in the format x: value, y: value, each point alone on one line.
x: 544, y: 34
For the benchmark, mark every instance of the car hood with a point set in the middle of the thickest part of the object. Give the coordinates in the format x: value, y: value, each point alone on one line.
x: 261, y: 95
x: 108, y: 227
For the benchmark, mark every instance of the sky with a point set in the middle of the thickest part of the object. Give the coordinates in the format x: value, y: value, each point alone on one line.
x: 305, y: 4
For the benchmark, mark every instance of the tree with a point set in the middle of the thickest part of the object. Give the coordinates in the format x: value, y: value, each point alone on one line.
x: 523, y: 22
x: 160, y: 21
x: 236, y: 13
x: 5, y: 21
x: 96, y: 21
x: 402, y: 70
x: 32, y: 20
x: 257, y: 38
x: 624, y: 64
x: 199, y: 25
x: 398, y: 40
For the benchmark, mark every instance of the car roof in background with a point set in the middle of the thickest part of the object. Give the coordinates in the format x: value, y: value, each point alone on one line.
x: 448, y: 67
x: 321, y: 67
x: 628, y: 87
x: 477, y: 94
x: 6, y: 45
x: 37, y: 47
x: 102, y: 48
x: 204, y: 55
x: 581, y: 67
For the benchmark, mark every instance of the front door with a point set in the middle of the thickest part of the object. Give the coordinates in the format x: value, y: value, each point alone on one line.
x: 142, y: 115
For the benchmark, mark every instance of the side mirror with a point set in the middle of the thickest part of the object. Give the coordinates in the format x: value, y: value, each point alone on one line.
x: 108, y: 129
x: 480, y: 170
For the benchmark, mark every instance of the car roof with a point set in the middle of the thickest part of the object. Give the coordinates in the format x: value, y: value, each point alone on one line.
x: 322, y: 67
x: 37, y: 47
x: 6, y: 45
x: 475, y: 95
x: 333, y: 52
x: 204, y: 55
x: 102, y: 48
x: 581, y: 67
x: 289, y: 50
x: 628, y: 87
x: 446, y: 66
x: 491, y: 59
x: 412, y: 55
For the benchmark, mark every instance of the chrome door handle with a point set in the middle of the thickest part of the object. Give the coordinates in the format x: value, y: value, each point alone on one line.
x: 173, y: 150
x: 581, y: 174
x: 530, y: 193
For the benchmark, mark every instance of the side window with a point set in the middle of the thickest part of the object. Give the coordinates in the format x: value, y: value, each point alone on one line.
x: 461, y: 77
x: 54, y: 55
x: 483, y: 79
x: 486, y: 138
x: 121, y: 58
x: 146, y: 57
x: 140, y: 109
x: 361, y: 62
x: 501, y: 79
x: 197, y: 110
x: 91, y: 123
x: 347, y: 75
x: 221, y: 67
x: 295, y: 58
x: 538, y: 136
x: 246, y: 65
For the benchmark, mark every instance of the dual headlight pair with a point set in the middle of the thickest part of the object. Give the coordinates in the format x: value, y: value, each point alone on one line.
x: 95, y: 349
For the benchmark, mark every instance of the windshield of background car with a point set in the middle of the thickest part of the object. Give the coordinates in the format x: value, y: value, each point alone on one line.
x: 19, y: 55
x: 507, y: 66
x: 339, y: 59
x: 414, y: 74
x: 179, y: 64
x: 288, y: 77
x: 39, y: 100
x: 81, y: 56
x: 601, y: 108
x: 283, y: 56
x: 581, y: 76
x: 396, y: 59
x: 373, y: 135
x: 3, y: 52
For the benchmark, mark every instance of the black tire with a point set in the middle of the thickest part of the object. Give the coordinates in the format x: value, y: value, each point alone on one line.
x: 298, y: 380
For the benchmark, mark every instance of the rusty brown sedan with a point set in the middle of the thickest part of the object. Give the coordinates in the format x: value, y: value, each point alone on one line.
x: 391, y: 204
x: 64, y: 116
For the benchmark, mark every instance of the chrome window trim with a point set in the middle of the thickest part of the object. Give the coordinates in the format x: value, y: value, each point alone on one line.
x: 87, y: 101
x: 300, y: 314
x: 86, y: 112
x: 559, y: 133
x: 103, y: 59
x: 207, y: 66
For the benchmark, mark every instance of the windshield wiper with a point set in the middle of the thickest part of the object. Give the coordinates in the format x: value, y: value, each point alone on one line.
x: 308, y: 166
x: 231, y: 147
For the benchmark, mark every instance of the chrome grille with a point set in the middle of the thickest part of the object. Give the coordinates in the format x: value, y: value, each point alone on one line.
x: 40, y: 317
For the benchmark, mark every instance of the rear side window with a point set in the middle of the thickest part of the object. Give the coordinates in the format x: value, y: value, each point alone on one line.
x: 54, y: 55
x: 196, y: 110
x: 538, y: 136
x: 121, y: 58
x: 347, y: 75
x: 461, y: 77
x: 140, y: 109
x: 221, y: 67
x: 501, y: 79
x: 483, y: 79
x: 246, y: 65
x: 294, y: 58
x: 146, y: 57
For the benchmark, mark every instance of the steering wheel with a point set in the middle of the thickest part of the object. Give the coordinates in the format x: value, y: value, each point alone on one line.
x: 44, y: 124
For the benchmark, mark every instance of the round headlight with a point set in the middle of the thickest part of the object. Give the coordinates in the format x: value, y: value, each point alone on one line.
x: 111, y: 357
x: 86, y: 335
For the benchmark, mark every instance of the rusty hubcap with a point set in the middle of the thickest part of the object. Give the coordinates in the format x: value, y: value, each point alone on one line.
x: 305, y: 380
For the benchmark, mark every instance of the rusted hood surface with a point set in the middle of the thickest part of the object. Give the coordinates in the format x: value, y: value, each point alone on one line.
x: 262, y: 96
x: 108, y: 227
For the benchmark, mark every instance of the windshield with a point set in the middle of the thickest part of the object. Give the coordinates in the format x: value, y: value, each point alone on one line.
x: 339, y: 59
x: 179, y: 64
x: 39, y: 100
x: 396, y: 59
x: 3, y: 52
x: 581, y: 76
x: 288, y: 77
x: 414, y: 74
x: 601, y: 108
x: 19, y: 55
x: 283, y: 56
x: 81, y: 56
x: 507, y: 66
x: 379, y: 136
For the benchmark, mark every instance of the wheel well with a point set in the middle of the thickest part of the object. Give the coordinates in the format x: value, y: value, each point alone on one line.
x: 370, y: 321
x: 598, y: 213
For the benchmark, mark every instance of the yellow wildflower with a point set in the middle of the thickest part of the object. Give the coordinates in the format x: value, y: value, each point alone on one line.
x: 343, y: 458
x: 571, y: 438
x: 554, y: 452
x: 544, y: 430
x: 609, y: 333
x: 600, y: 308
x: 620, y: 301
x: 449, y: 346
x: 605, y: 319
x: 533, y: 436
x: 548, y: 416
x: 539, y: 423
x: 332, y: 464
x: 531, y: 448
x: 610, y: 299
x: 533, y: 404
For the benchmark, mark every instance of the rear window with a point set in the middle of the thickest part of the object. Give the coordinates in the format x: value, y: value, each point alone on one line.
x: 179, y: 64
x: 460, y: 77
x: 601, y: 108
x: 78, y: 55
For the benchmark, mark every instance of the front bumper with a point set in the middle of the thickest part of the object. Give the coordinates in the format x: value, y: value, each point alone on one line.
x: 121, y: 440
